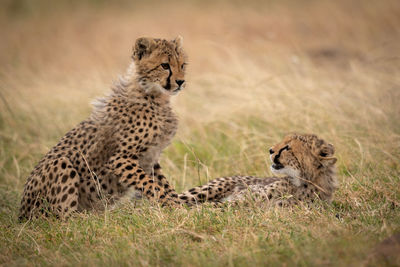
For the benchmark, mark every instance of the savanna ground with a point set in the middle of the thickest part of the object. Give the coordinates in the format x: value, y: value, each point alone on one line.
x: 257, y: 71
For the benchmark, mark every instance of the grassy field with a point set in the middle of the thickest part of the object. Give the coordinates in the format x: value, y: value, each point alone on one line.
x: 257, y: 70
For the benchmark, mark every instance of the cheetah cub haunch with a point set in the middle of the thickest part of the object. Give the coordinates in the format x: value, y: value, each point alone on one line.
x: 308, y: 166
x: 118, y: 147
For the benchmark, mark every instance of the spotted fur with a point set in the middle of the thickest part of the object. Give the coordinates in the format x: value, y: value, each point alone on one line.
x: 307, y: 163
x: 117, y: 148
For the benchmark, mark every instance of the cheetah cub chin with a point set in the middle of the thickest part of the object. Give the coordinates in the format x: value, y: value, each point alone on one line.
x: 117, y: 148
x: 306, y: 162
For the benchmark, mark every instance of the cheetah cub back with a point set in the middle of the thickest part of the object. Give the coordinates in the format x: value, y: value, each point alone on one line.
x: 306, y: 163
x: 117, y: 148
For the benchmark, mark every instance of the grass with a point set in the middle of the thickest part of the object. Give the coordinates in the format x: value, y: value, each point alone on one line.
x: 257, y: 71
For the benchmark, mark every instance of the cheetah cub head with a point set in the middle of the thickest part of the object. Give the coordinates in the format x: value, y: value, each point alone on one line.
x: 304, y: 158
x: 160, y: 65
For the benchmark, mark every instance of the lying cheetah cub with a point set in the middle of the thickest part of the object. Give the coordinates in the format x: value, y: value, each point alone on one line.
x: 307, y: 163
x: 117, y: 148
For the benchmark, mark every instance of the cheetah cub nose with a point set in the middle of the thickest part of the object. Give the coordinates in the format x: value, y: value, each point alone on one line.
x: 271, y: 151
x: 179, y: 82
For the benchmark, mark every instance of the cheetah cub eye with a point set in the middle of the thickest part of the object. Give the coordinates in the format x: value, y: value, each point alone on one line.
x: 165, y: 66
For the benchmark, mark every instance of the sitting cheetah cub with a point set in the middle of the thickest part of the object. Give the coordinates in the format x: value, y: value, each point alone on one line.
x: 307, y: 163
x: 118, y: 147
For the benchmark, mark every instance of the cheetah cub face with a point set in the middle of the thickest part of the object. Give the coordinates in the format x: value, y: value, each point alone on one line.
x: 302, y: 158
x: 160, y: 65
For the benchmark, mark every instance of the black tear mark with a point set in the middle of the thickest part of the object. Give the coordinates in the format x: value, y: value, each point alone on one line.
x: 168, y: 86
x: 281, y: 150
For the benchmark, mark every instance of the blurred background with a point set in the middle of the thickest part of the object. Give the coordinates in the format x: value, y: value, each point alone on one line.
x: 257, y: 70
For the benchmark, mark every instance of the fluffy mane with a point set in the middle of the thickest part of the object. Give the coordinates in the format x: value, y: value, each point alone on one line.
x: 119, y: 89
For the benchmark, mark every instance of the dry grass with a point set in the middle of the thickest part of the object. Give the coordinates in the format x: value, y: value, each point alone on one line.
x: 257, y: 71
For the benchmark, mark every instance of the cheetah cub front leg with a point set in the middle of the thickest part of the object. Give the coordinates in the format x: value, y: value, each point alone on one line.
x: 131, y: 174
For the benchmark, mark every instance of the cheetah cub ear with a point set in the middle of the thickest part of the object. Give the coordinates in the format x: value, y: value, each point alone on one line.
x: 326, y: 155
x: 143, y: 47
x: 178, y: 42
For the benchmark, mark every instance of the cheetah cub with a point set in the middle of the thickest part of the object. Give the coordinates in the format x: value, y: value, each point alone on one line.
x: 118, y: 147
x: 306, y: 162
